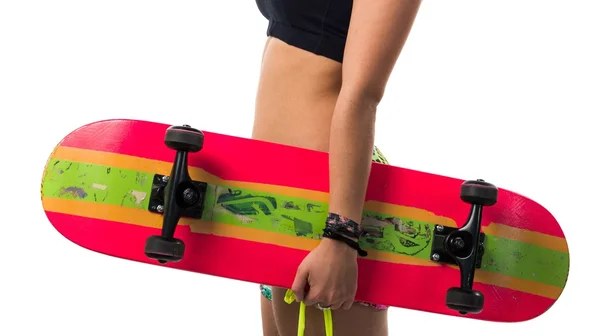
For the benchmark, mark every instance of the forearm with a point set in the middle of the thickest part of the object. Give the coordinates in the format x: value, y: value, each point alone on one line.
x: 377, y: 33
x: 350, y: 154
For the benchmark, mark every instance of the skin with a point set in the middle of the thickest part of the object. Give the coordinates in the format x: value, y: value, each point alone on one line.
x: 310, y: 101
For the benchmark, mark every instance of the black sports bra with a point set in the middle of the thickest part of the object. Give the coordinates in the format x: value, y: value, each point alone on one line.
x: 318, y: 26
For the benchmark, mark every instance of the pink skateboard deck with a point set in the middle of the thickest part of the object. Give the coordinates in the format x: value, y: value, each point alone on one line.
x: 252, y: 210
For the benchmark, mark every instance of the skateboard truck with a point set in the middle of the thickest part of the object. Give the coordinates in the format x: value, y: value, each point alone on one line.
x: 464, y: 246
x: 175, y: 196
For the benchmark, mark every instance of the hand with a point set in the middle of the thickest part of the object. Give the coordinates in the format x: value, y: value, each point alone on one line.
x: 327, y: 276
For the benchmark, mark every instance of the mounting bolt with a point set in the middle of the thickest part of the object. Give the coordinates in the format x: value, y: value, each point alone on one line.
x: 458, y: 243
x: 160, y: 208
x: 165, y: 179
x: 435, y: 257
x: 190, y: 196
x: 439, y: 228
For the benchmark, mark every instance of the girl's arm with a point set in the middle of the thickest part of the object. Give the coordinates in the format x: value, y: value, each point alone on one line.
x: 377, y: 33
x: 378, y: 30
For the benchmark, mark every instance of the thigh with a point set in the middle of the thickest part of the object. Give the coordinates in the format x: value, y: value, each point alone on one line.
x: 268, y: 319
x: 359, y: 320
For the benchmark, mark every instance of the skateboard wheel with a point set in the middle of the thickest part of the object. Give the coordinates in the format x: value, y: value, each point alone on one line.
x: 479, y: 192
x: 184, y: 138
x: 164, y: 249
x: 464, y: 300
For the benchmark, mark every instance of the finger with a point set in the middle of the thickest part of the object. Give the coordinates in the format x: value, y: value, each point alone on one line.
x: 312, y: 299
x: 337, y: 306
x: 347, y: 304
x: 300, y: 284
x: 331, y: 301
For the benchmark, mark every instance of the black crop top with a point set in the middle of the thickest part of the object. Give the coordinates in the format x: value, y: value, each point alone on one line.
x: 317, y: 26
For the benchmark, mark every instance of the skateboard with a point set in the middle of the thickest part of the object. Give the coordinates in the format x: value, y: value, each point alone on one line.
x: 250, y: 210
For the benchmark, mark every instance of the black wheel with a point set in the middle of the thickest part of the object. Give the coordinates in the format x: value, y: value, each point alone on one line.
x: 164, y: 249
x: 465, y: 301
x: 184, y: 138
x: 479, y: 192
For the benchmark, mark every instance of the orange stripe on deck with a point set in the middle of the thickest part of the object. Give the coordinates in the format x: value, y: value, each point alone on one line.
x: 529, y: 237
x: 142, y: 217
x: 164, y: 168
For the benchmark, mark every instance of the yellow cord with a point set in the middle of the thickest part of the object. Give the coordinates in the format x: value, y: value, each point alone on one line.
x: 328, y: 322
x: 290, y: 297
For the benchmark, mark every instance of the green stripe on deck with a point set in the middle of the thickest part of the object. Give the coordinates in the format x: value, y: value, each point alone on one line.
x: 298, y: 217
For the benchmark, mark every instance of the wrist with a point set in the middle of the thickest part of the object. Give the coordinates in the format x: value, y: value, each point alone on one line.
x: 343, y: 233
x: 340, y: 247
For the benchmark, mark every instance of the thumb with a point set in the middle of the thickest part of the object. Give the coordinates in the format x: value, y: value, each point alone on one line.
x: 300, y: 283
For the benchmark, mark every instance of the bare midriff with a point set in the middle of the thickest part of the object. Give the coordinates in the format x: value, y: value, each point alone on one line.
x: 297, y: 93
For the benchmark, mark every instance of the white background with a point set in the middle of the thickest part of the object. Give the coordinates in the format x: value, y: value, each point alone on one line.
x: 504, y: 90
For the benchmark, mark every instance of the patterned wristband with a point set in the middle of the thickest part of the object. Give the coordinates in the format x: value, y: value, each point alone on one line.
x: 342, y: 225
x: 340, y: 237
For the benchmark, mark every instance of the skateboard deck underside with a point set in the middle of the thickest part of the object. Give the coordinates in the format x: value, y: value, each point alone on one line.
x: 266, y: 206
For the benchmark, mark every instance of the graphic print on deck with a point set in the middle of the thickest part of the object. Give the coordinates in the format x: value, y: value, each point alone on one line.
x: 298, y: 217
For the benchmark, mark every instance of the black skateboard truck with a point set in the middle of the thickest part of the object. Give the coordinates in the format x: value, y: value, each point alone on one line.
x: 175, y: 196
x: 464, y: 246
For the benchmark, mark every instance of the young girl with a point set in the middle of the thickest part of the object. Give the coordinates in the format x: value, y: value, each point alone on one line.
x: 325, y: 67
